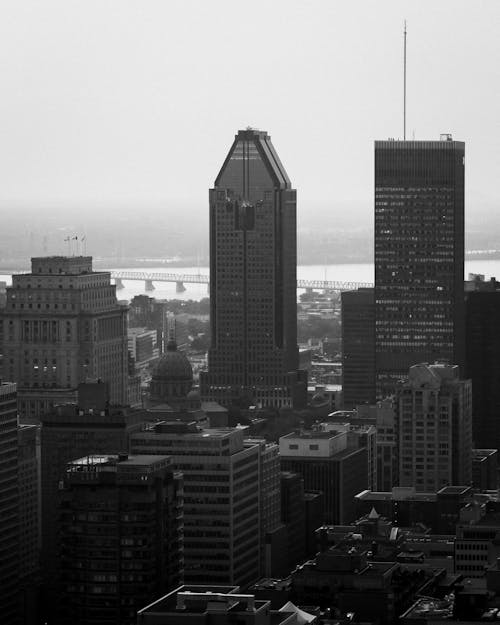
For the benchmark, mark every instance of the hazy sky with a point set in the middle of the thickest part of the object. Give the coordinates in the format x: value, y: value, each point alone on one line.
x: 119, y: 102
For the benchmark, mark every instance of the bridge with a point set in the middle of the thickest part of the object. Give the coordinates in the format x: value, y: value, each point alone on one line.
x: 181, y: 279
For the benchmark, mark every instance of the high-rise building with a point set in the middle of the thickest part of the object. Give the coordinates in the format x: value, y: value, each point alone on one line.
x: 70, y: 431
x: 482, y: 363
x: 222, y: 529
x: 120, y: 528
x: 293, y: 515
x: 358, y: 347
x: 329, y: 462
x: 253, y: 271
x: 9, y: 505
x: 419, y: 256
x: 434, y: 415
x: 273, y: 532
x: 62, y: 325
x: 29, y: 518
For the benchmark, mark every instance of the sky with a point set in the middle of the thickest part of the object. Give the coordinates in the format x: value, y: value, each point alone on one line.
x: 119, y: 105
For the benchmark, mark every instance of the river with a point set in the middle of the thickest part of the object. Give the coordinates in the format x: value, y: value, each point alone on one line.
x: 360, y: 272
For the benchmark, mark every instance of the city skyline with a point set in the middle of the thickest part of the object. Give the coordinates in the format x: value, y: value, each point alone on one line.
x: 106, y: 110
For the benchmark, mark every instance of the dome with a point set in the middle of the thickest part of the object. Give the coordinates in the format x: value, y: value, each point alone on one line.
x: 172, y: 377
x: 173, y: 366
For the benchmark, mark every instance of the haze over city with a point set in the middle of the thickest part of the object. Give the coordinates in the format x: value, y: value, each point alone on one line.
x: 114, y: 118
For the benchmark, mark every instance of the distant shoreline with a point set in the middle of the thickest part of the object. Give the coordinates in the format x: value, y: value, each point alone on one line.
x: 106, y: 263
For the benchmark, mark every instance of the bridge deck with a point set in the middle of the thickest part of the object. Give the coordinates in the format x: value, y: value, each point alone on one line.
x: 327, y: 285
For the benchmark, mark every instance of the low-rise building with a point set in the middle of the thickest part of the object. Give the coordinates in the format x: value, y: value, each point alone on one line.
x: 403, y: 506
x: 207, y: 605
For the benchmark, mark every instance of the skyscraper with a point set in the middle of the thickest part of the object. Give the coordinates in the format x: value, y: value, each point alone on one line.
x: 62, y: 324
x: 253, y: 266
x: 9, y: 504
x: 68, y: 432
x: 482, y: 366
x: 120, y: 537
x: 434, y: 413
x: 222, y: 519
x: 358, y: 347
x: 419, y: 256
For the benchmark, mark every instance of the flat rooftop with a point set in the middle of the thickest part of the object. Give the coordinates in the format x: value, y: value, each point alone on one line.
x: 117, y: 460
x: 370, y: 495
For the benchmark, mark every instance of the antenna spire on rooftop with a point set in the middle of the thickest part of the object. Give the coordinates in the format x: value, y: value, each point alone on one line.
x: 404, y: 83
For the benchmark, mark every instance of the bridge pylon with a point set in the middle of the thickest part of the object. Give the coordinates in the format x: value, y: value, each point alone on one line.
x: 149, y: 286
x: 119, y: 283
x: 179, y: 287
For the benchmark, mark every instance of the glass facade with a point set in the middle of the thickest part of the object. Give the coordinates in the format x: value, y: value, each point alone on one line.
x: 253, y: 262
x: 419, y: 256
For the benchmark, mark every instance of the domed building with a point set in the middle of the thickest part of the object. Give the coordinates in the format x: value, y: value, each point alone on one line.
x: 172, y: 381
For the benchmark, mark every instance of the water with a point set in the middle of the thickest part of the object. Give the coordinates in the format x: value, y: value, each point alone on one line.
x: 360, y: 272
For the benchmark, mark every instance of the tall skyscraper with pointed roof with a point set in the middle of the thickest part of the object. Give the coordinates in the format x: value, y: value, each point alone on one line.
x: 253, y: 272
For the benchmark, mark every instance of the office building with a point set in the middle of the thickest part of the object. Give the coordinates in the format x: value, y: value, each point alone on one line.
x: 120, y: 529
x: 484, y: 469
x: 328, y: 464
x: 62, y: 325
x: 361, y: 436
x: 204, y: 605
x: 29, y: 519
x: 9, y: 505
x: 350, y: 579
x: 222, y: 524
x: 293, y: 515
x: 273, y: 532
x: 143, y: 346
x: 358, y: 347
x: 434, y: 414
x: 405, y: 507
x: 71, y: 431
x: 476, y: 544
x: 419, y: 256
x: 253, y: 271
x: 482, y: 365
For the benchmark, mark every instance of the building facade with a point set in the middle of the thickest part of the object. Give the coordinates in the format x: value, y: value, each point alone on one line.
x: 120, y: 537
x: 62, y: 324
x: 29, y: 519
x: 222, y: 525
x: 358, y: 347
x: 327, y: 464
x: 253, y: 272
x: 9, y: 504
x: 434, y: 414
x: 482, y: 365
x: 419, y: 256
x: 72, y: 431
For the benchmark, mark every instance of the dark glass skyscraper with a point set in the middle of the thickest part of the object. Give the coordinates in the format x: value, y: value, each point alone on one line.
x: 358, y: 347
x: 253, y: 266
x: 419, y: 256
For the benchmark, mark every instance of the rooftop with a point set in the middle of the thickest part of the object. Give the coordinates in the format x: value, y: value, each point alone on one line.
x: 206, y: 600
x: 396, y: 496
x: 117, y: 462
